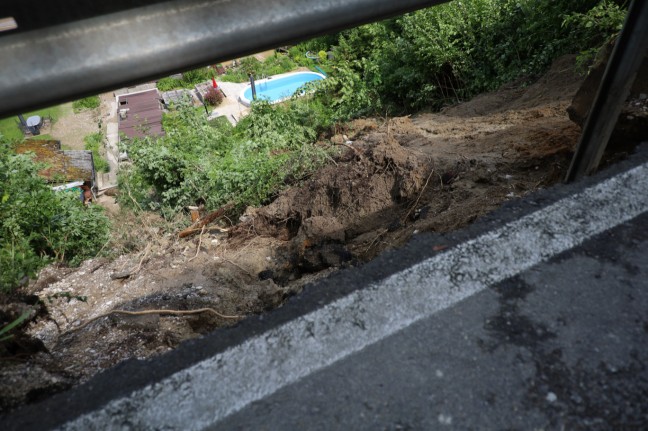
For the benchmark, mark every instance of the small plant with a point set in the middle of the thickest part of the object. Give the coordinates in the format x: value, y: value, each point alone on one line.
x: 68, y: 296
x: 213, y: 97
x: 322, y: 56
x: 12, y: 325
x: 91, y: 102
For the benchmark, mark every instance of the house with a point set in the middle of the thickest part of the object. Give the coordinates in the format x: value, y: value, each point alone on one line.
x: 62, y: 168
x: 140, y: 114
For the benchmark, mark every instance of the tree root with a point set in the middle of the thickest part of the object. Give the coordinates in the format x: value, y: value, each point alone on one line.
x: 160, y: 312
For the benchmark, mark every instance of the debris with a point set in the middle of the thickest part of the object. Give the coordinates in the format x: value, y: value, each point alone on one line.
x: 197, y: 227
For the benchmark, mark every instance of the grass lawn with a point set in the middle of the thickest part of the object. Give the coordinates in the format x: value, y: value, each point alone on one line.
x: 220, y: 122
x: 43, y: 137
x: 9, y: 129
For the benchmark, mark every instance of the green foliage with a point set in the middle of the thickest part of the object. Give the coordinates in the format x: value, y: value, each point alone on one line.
x: 322, y: 56
x: 597, y: 26
x: 298, y: 55
x: 189, y: 79
x: 91, y: 102
x: 452, y: 51
x: 349, y: 91
x: 424, y: 59
x: 201, y: 162
x: 67, y: 296
x: 38, y: 225
x: 12, y: 325
x: 92, y: 142
x: 220, y: 122
x: 272, y: 65
x: 168, y: 84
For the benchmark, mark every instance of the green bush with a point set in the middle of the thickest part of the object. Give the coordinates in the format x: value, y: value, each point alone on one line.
x: 424, y: 59
x: 38, y: 225
x: 449, y: 52
x: 189, y: 79
x: 213, y: 97
x: 92, y: 142
x: 91, y: 102
x: 201, y: 162
x: 168, y: 84
x: 273, y: 65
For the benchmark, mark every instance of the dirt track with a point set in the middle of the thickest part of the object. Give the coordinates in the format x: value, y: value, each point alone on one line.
x: 391, y: 179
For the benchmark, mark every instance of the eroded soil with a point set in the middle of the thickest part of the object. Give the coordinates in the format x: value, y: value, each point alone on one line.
x: 391, y: 179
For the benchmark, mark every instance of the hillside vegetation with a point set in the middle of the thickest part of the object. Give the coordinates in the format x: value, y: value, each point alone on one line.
x: 422, y: 60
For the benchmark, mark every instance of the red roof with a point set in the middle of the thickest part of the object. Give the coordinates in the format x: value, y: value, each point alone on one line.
x: 144, y: 115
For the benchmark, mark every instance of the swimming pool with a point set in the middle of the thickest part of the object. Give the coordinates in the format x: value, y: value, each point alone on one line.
x: 279, y: 87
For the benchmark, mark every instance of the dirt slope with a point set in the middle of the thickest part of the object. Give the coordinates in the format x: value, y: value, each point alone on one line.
x: 391, y: 179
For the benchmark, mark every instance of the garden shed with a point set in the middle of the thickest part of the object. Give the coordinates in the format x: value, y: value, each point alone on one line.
x: 61, y: 167
x: 140, y: 114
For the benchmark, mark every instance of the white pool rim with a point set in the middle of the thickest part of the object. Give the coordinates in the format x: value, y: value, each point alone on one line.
x: 247, y: 102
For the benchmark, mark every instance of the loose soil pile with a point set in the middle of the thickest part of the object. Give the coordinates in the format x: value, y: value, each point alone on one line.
x: 391, y: 179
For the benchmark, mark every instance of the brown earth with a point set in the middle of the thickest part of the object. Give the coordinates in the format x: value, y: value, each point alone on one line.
x: 391, y: 178
x: 72, y: 127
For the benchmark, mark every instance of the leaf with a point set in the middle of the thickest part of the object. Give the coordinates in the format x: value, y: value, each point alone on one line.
x: 13, y: 324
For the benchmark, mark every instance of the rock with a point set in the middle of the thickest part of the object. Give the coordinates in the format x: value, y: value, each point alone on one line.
x: 120, y: 275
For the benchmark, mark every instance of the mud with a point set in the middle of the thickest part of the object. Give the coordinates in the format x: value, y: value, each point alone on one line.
x: 388, y: 180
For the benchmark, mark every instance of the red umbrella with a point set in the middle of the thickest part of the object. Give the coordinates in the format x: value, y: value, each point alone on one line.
x: 214, y: 83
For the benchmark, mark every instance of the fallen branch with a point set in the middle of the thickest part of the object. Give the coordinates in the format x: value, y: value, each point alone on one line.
x: 196, y: 227
x: 160, y: 312
x: 198, y: 230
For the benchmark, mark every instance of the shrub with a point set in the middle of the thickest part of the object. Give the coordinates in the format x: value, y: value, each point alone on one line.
x: 197, y: 162
x: 168, y: 84
x: 91, y: 102
x: 38, y: 225
x: 322, y: 56
x: 92, y: 143
x: 189, y: 79
x: 195, y: 76
x: 452, y: 51
x: 213, y: 97
x: 272, y: 65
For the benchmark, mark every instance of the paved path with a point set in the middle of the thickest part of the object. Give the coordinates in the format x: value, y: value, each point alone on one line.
x: 231, y: 108
x: 534, y: 318
x: 109, y: 118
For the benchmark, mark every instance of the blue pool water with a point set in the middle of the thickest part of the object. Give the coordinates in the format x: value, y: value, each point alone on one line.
x: 279, y: 87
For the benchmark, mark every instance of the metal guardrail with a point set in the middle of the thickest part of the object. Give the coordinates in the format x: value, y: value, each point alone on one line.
x: 49, y: 65
x: 629, y: 51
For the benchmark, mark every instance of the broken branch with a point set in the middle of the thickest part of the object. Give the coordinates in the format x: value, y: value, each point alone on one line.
x: 197, y: 227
